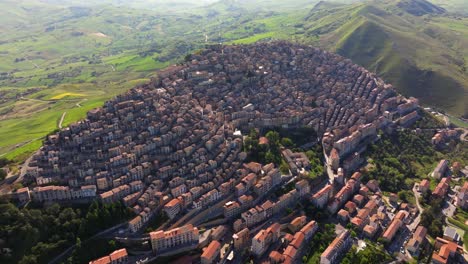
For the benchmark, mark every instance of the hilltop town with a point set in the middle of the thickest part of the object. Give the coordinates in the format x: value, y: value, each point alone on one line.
x: 177, y: 147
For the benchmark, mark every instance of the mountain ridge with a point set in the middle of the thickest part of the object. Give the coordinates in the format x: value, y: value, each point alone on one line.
x: 403, y: 53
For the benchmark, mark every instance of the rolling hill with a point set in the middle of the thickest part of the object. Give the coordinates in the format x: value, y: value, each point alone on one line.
x: 417, y: 46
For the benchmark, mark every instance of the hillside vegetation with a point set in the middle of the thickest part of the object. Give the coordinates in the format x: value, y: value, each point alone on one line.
x: 62, y: 58
x: 413, y: 44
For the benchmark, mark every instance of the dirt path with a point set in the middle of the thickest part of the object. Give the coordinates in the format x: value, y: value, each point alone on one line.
x: 61, y: 120
x: 79, y: 103
x: 463, y: 135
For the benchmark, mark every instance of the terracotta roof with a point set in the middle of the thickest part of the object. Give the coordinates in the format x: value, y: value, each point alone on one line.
x: 103, y: 260
x: 253, y: 166
x: 356, y: 221
x: 369, y: 229
x: 392, y: 229
x: 172, y: 203
x: 261, y: 236
x: 308, y: 227
x: 135, y: 220
x: 275, y: 256
x: 343, y: 213
x: 322, y: 191
x: 363, y: 213
x: 401, y: 215
x: 350, y: 206
x: 118, y: 254
x: 173, y: 232
x: 211, y: 250
x: 290, y: 251
x: 424, y: 183
x: 24, y: 189
x: 298, y: 240
x: 438, y: 258
x: 273, y: 228
x: 356, y: 176
x: 335, y: 244
x: 358, y: 198
x: 267, y: 205
x: 263, y: 141
x: 298, y: 221
x: 287, y: 260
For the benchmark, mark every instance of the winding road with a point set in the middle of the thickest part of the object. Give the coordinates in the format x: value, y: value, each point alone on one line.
x: 416, y: 221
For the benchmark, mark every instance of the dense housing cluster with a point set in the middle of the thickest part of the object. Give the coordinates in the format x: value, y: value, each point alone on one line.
x: 175, y: 145
x: 183, y: 125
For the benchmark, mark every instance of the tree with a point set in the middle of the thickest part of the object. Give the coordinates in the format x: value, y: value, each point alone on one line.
x: 270, y: 157
x: 435, y: 228
x: 284, y: 167
x: 273, y: 138
x: 112, y: 244
x: 402, y: 196
x: 188, y: 57
x: 253, y: 133
x: 78, y: 243
x: 4, y: 162
x: 287, y: 142
x: 3, y: 174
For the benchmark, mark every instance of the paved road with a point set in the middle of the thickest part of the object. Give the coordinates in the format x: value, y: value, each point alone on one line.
x: 24, y: 168
x: 416, y: 221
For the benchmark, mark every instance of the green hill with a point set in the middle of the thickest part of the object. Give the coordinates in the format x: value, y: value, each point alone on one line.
x: 413, y: 44
x: 420, y: 7
x: 455, y: 6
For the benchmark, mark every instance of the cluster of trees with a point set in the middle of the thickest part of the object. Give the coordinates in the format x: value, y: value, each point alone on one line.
x: 36, y: 235
x: 319, y: 243
x: 372, y: 253
x: 3, y: 174
x: 156, y: 222
x: 288, y: 138
x: 93, y: 249
x: 263, y: 153
x: 432, y: 218
x: 298, y: 135
x: 315, y: 156
x: 398, y: 158
x: 313, y: 212
x: 3, y: 163
x: 406, y: 196
x: 428, y: 121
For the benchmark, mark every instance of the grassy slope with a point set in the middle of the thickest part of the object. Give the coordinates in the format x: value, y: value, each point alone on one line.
x: 418, y: 55
x: 59, y: 61
x: 458, y: 6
